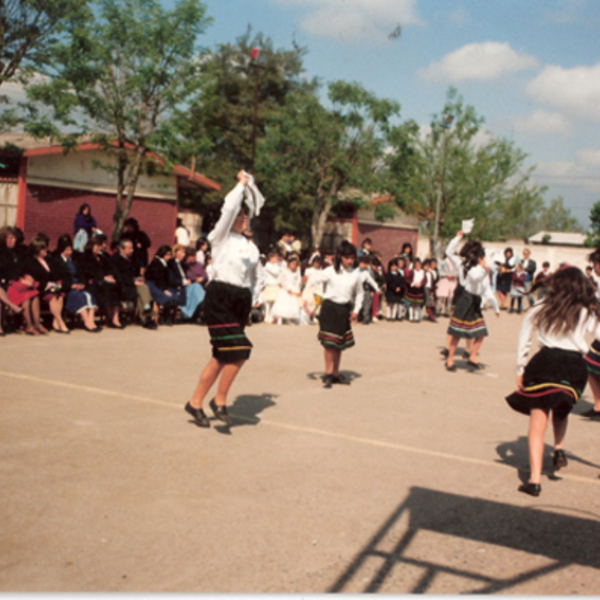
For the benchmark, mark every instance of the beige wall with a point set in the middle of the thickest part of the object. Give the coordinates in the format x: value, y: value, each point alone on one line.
x: 77, y: 170
x: 555, y: 255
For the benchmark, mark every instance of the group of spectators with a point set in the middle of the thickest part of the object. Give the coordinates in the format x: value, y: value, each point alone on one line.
x: 91, y: 280
x: 83, y: 278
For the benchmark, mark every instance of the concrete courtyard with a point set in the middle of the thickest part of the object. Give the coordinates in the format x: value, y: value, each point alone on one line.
x: 405, y: 481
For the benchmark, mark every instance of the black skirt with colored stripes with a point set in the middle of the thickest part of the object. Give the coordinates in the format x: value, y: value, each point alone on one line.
x: 467, y: 319
x: 554, y: 379
x: 415, y: 295
x: 592, y: 359
x: 335, y: 331
x: 226, y: 310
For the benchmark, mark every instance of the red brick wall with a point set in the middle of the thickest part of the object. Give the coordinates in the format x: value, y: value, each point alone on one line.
x: 387, y: 240
x: 52, y: 210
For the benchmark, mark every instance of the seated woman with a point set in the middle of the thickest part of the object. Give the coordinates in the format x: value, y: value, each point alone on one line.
x: 79, y: 301
x: 49, y: 286
x: 192, y: 291
x: 10, y: 270
x: 157, y: 279
x: 100, y: 282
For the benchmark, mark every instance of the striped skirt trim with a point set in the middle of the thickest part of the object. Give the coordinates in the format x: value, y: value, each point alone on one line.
x: 592, y: 359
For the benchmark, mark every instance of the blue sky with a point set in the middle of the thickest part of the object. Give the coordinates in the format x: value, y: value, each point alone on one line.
x: 530, y: 67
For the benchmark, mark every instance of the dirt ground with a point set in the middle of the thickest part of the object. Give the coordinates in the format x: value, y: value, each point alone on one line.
x: 405, y: 481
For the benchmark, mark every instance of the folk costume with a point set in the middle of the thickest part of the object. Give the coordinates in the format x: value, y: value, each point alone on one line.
x: 556, y: 376
x: 472, y: 290
x: 415, y: 293
x: 234, y: 285
x: 343, y: 295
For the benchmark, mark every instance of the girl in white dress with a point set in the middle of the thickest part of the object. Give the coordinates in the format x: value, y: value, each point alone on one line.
x: 272, y: 270
x: 287, y: 305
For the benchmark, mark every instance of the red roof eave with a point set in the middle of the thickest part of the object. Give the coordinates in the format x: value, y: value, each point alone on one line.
x: 196, y: 178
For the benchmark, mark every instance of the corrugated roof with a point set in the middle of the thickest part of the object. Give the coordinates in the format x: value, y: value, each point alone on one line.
x: 559, y: 238
x: 46, y: 146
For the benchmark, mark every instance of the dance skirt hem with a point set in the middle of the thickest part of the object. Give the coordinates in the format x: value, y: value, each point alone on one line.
x: 226, y: 310
x: 554, y: 379
x: 335, y: 331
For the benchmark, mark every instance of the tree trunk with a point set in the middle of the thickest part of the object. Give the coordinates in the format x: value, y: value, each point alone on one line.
x: 319, y: 220
x: 129, y: 183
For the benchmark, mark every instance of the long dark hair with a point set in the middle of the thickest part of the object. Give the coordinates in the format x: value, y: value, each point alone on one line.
x: 471, y: 253
x: 344, y: 249
x: 568, y: 292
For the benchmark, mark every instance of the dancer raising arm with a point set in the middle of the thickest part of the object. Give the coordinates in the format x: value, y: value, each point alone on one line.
x: 474, y: 288
x: 555, y: 377
x: 229, y: 298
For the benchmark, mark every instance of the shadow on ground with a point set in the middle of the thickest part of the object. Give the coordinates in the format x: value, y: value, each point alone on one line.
x: 516, y: 454
x: 389, y: 558
x: 245, y: 410
x: 318, y: 375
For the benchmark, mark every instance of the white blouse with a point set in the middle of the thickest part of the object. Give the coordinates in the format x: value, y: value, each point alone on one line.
x: 235, y: 258
x: 290, y: 280
x: 571, y: 340
x: 272, y: 272
x: 343, y: 287
x: 477, y: 281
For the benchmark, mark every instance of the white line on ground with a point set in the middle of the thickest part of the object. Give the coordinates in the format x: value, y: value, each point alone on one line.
x: 299, y: 428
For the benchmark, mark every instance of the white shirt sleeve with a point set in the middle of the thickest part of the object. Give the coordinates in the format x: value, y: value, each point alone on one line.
x: 487, y: 294
x: 257, y: 282
x: 229, y: 211
x: 525, y: 335
x: 359, y: 294
x: 456, y: 260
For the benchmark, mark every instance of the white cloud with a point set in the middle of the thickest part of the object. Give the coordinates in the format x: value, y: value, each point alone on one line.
x: 560, y: 169
x: 484, y: 61
x: 589, y: 157
x: 575, y: 90
x: 543, y: 121
x: 356, y: 20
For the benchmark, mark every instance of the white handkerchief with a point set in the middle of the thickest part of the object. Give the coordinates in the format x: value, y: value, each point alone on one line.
x: 467, y: 226
x: 254, y: 199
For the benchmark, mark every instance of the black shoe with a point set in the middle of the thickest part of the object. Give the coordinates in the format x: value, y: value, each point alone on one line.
x: 559, y: 459
x: 198, y: 414
x: 452, y: 369
x: 150, y: 325
x: 220, y: 412
x: 591, y: 413
x: 340, y: 379
x: 327, y: 381
x: 113, y: 326
x: 95, y: 330
x: 533, y: 489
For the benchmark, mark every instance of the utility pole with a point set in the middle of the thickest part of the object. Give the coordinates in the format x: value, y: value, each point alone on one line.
x: 254, y: 53
x: 445, y: 124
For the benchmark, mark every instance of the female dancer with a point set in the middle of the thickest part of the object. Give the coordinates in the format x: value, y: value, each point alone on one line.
x: 467, y: 319
x: 555, y: 377
x: 227, y: 304
x: 342, y: 300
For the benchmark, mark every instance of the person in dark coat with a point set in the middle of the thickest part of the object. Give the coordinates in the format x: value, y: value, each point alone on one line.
x: 101, y: 282
x: 132, y: 288
x: 79, y: 300
x: 141, y: 243
x: 394, y: 291
x: 49, y: 285
x: 157, y: 279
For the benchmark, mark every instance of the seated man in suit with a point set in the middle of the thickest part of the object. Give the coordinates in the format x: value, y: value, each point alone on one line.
x: 132, y: 288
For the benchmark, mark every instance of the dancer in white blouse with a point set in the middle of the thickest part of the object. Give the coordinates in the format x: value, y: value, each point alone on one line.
x: 474, y: 288
x: 229, y: 299
x: 555, y: 377
x: 342, y: 299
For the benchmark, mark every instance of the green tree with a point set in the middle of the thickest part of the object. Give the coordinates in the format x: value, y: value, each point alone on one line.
x: 29, y: 30
x: 557, y: 217
x: 593, y: 237
x: 479, y: 177
x: 315, y: 158
x: 215, y: 130
x: 122, y: 74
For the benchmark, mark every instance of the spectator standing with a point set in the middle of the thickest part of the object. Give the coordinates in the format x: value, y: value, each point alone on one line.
x: 84, y: 227
x: 530, y: 267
